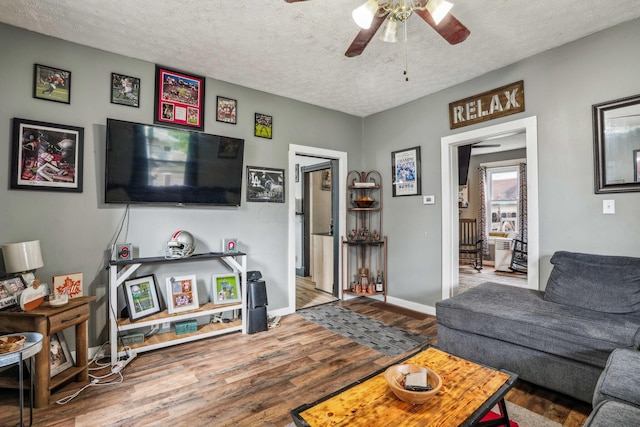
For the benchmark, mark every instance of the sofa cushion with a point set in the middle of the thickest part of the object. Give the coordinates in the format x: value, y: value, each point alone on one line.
x: 609, y: 284
x: 522, y: 316
x: 620, y: 379
x: 612, y: 413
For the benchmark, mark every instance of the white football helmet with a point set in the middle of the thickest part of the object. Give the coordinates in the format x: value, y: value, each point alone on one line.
x: 180, y: 245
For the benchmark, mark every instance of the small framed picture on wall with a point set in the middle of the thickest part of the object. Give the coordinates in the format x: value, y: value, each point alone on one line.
x: 125, y: 90
x: 51, y: 84
x: 263, y: 127
x: 227, y: 110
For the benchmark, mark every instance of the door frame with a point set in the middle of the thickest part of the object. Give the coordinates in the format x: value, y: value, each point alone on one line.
x: 450, y: 214
x: 341, y: 196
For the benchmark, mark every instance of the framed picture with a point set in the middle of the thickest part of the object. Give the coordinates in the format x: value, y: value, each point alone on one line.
x: 10, y: 290
x: 263, y: 126
x: 46, y: 156
x: 636, y: 165
x: 227, y: 110
x: 125, y: 90
x: 59, y: 354
x: 326, y: 180
x: 142, y: 297
x: 225, y: 288
x: 265, y: 184
x: 615, y: 139
x: 405, y: 170
x: 179, y: 99
x: 52, y: 84
x: 70, y: 284
x: 182, y: 294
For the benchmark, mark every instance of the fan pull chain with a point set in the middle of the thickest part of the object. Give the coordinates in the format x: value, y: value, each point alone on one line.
x: 406, y: 55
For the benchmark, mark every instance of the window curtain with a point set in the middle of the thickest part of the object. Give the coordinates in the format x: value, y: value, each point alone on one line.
x: 522, y: 202
x: 482, y: 210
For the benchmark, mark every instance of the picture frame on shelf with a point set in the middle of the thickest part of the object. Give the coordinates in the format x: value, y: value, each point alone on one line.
x: 225, y: 288
x: 227, y: 110
x: 142, y: 297
x: 265, y: 184
x: 182, y: 294
x: 70, y: 284
x: 615, y: 125
x: 125, y: 90
x: 10, y: 289
x: 46, y: 156
x: 263, y: 126
x: 179, y: 99
x: 405, y: 172
x: 60, y: 358
x: 51, y: 84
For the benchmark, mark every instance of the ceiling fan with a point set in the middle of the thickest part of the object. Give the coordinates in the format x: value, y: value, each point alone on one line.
x: 433, y: 12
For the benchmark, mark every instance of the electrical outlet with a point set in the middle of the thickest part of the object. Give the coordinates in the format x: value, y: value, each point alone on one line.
x: 608, y: 207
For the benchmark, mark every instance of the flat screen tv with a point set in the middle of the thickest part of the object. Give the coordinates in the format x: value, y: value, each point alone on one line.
x: 162, y: 165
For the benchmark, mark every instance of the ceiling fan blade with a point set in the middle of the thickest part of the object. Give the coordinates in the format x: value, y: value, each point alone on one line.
x: 449, y: 28
x: 364, y: 37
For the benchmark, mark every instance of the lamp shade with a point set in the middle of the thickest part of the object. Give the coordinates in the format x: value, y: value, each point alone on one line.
x: 21, y: 257
x: 363, y: 15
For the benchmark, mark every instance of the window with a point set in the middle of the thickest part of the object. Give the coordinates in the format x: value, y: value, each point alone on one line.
x: 502, y: 199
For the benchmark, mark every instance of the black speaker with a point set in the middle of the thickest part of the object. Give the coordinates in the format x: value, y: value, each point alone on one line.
x: 257, y: 320
x: 257, y: 294
x: 252, y: 276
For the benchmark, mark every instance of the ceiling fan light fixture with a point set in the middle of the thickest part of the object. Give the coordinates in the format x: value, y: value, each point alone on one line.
x: 363, y: 15
x: 390, y: 31
x: 438, y: 9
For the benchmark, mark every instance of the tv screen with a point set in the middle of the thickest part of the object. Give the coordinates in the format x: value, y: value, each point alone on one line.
x: 162, y: 165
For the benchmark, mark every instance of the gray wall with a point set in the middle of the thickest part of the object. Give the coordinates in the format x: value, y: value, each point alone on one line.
x: 561, y: 85
x: 75, y: 229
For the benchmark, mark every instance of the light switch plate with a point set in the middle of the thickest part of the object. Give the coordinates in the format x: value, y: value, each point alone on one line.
x: 428, y: 200
x: 608, y: 207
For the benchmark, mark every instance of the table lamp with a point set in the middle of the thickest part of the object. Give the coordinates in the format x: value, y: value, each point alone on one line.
x: 24, y: 258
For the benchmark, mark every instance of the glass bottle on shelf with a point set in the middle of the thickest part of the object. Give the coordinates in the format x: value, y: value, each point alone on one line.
x: 379, y: 286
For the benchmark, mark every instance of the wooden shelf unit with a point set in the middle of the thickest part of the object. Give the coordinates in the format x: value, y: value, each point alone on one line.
x: 121, y: 271
x: 364, y: 249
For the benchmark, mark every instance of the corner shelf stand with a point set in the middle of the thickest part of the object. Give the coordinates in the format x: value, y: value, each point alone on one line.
x: 364, y: 249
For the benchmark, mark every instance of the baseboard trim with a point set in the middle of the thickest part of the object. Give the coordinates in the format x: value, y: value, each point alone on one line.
x: 410, y: 305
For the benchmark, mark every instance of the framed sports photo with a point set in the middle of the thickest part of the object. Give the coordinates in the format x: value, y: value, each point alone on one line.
x: 405, y: 170
x: 227, y: 110
x: 263, y: 126
x: 265, y: 184
x: 179, y: 99
x: 46, y: 156
x: 225, y: 288
x: 51, y: 84
x: 142, y: 297
x: 59, y: 355
x: 182, y: 294
x: 125, y: 90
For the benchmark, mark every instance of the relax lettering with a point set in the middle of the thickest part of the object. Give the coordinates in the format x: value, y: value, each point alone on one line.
x: 472, y: 110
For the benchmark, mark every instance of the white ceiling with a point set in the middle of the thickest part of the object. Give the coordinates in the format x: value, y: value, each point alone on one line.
x: 297, y: 50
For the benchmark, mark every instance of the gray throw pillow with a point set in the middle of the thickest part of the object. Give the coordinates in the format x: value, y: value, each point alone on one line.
x: 604, y: 283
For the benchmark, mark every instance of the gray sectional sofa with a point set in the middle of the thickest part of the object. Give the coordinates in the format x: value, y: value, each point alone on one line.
x: 560, y: 338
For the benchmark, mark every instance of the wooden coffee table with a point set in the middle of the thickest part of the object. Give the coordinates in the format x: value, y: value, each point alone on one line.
x: 468, y: 393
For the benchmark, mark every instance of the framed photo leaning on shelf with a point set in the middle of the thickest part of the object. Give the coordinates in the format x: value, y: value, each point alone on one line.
x: 182, y: 294
x: 142, y: 297
x: 225, y: 288
x: 59, y: 355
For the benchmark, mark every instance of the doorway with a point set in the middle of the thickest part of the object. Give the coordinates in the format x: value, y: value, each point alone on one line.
x: 450, y: 214
x: 338, y: 191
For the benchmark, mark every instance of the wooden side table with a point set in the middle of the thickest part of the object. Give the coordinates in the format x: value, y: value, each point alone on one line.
x: 48, y: 320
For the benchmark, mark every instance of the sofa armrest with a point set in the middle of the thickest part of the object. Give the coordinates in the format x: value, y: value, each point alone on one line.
x: 620, y: 379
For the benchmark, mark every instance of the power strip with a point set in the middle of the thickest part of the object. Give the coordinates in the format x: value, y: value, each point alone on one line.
x: 121, y: 364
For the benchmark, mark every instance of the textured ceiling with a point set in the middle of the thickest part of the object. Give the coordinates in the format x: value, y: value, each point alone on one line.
x: 297, y: 50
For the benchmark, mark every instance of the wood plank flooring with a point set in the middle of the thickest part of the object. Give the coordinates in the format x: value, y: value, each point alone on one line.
x: 468, y: 277
x: 251, y: 380
x: 308, y: 296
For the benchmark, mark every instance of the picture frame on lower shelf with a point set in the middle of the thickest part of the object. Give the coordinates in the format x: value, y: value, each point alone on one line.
x: 142, y: 297
x: 225, y: 288
x: 182, y: 294
x: 60, y: 358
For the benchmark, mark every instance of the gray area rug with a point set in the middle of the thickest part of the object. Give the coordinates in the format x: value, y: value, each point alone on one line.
x: 388, y: 340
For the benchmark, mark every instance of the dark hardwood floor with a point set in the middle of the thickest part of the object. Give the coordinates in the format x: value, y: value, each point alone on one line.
x: 251, y: 380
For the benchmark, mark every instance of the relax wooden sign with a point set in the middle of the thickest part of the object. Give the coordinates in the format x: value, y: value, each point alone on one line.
x: 489, y: 105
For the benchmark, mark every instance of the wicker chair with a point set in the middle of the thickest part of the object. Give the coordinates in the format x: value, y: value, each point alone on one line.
x: 470, y: 247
